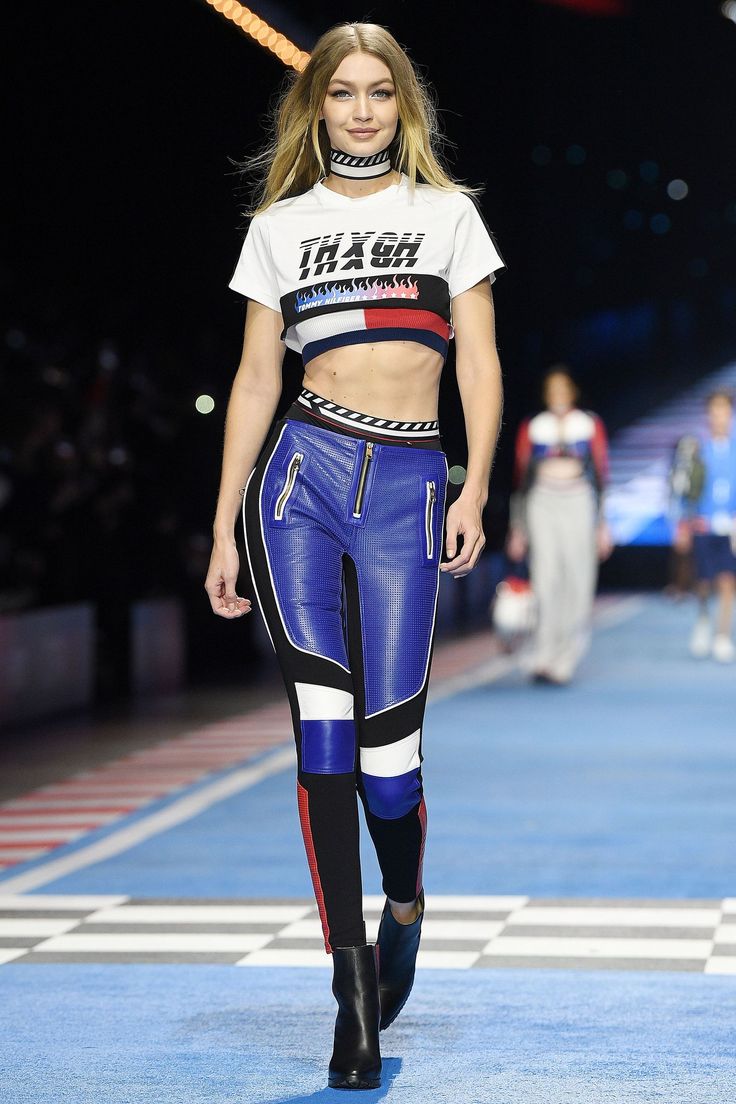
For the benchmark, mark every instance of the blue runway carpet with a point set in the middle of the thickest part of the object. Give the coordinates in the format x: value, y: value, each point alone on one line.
x: 621, y: 786
x: 217, y: 1035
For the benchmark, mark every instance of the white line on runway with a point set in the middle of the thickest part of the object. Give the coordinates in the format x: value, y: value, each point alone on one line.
x: 581, y: 947
x: 7, y: 954
x: 74, y: 902
x: 130, y: 835
x: 638, y: 916
x: 153, y: 942
x: 201, y: 914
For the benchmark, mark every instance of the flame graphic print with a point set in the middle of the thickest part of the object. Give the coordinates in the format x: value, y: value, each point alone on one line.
x: 356, y: 291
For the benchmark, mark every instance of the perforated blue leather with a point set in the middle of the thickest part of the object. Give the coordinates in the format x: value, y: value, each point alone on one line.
x: 397, y: 579
x: 392, y: 798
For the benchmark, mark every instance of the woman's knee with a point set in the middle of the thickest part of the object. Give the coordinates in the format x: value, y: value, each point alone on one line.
x: 391, y: 777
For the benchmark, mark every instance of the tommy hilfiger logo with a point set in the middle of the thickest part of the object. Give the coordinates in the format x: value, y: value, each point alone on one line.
x: 330, y: 253
x: 372, y: 289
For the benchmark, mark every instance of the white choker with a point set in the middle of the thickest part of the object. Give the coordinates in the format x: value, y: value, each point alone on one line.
x: 360, y: 168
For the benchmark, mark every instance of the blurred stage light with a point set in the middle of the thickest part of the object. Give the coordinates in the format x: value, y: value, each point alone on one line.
x: 575, y: 155
x: 15, y: 339
x: 205, y: 404
x: 633, y: 220
x: 677, y: 189
x: 107, y: 358
x: 592, y: 7
x: 660, y: 223
x: 457, y: 474
x: 729, y: 10
x: 263, y: 33
x: 649, y: 171
x: 54, y: 376
x: 617, y: 178
x: 541, y: 155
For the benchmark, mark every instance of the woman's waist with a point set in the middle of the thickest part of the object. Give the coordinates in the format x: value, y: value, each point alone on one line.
x: 403, y: 386
x: 556, y: 485
x: 309, y: 406
x: 560, y: 468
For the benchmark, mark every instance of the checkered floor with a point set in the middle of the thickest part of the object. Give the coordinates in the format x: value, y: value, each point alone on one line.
x: 459, y: 932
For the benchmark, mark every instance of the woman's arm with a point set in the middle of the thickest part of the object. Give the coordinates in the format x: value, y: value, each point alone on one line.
x: 481, y: 391
x: 517, y: 541
x: 599, y: 453
x: 253, y: 399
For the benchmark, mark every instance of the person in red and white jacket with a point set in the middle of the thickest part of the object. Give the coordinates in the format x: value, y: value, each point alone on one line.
x: 557, y: 519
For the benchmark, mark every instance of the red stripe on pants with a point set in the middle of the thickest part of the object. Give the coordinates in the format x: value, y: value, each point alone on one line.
x: 303, y: 799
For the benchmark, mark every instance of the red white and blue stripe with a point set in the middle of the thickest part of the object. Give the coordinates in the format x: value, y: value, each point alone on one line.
x: 401, y: 307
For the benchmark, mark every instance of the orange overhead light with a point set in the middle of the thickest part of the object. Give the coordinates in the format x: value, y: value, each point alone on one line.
x: 262, y: 32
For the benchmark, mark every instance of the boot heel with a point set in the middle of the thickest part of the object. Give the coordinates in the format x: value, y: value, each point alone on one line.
x: 356, y: 1056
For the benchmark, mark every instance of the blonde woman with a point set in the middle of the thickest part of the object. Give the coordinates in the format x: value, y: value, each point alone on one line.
x: 364, y: 256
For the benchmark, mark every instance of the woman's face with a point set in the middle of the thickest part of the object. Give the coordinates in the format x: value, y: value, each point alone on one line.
x: 360, y: 97
x: 720, y: 416
x: 558, y: 393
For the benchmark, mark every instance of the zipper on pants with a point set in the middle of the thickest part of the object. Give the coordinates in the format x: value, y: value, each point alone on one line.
x: 288, y: 487
x: 429, y: 517
x: 362, y: 477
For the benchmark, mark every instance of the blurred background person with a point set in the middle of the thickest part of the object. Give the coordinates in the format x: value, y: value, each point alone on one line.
x: 706, y: 480
x: 561, y: 467
x: 680, y: 565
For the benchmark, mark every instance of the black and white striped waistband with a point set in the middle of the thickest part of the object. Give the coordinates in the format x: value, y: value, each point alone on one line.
x: 384, y: 427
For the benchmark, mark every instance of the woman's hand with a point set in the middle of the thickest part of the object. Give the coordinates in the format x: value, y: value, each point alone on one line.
x: 683, y: 541
x: 221, y: 581
x: 463, y: 519
x: 517, y: 545
x: 604, y: 541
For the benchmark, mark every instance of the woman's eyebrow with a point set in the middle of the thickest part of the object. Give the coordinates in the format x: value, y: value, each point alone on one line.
x: 338, y: 80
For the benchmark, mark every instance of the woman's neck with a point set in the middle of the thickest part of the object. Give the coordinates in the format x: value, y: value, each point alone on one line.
x: 357, y: 189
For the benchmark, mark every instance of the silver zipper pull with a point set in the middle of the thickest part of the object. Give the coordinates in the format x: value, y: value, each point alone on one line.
x: 360, y: 492
x: 429, y: 517
x: 294, y: 465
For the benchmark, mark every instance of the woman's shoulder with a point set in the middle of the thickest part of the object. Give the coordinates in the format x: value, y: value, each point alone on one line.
x: 288, y: 206
x: 452, y: 197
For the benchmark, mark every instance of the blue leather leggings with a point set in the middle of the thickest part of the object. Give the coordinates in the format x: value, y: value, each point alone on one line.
x: 344, y: 539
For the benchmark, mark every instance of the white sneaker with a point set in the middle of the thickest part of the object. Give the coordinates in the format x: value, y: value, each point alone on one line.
x: 724, y: 650
x: 701, y: 639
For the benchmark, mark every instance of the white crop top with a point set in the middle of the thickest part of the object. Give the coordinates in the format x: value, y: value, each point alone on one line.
x: 381, y: 267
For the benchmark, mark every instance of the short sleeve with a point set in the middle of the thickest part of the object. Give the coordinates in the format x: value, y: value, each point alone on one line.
x: 474, y: 253
x: 254, y: 274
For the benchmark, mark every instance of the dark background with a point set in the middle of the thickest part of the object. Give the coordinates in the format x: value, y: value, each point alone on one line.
x: 124, y: 225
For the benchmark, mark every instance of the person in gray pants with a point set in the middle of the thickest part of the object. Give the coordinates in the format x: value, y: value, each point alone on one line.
x: 561, y: 467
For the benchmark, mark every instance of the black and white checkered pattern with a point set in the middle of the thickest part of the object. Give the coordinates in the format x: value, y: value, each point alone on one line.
x: 459, y: 932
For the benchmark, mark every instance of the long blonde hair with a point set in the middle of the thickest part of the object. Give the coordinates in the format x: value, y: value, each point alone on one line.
x: 298, y: 147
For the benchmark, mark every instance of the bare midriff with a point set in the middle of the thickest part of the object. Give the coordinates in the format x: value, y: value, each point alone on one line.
x: 556, y: 468
x: 389, y: 379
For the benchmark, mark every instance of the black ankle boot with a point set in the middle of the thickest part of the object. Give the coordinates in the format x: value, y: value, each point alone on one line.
x: 398, y: 945
x: 356, y: 1058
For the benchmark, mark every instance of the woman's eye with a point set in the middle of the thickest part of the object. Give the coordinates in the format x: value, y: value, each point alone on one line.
x: 379, y: 92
